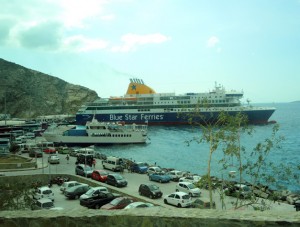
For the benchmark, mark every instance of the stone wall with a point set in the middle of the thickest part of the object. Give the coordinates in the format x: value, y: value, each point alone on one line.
x: 147, y: 217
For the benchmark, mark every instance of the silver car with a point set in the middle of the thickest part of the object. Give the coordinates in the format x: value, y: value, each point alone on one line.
x: 53, y: 159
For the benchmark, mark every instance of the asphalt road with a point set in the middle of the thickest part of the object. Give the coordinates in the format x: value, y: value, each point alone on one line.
x: 134, y: 180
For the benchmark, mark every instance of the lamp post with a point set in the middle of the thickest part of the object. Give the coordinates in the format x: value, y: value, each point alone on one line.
x: 5, y: 111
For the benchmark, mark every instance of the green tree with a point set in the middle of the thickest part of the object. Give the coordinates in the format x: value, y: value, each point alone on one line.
x: 15, y: 196
x: 223, y: 132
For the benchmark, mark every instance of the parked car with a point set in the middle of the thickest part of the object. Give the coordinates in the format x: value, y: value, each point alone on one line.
x: 139, y: 167
x: 202, y: 204
x: 118, y: 203
x: 116, y: 179
x: 159, y: 177
x: 50, y: 150
x: 84, y: 159
x: 43, y: 192
x: 189, y: 188
x: 76, y: 191
x: 175, y: 174
x: 99, y: 175
x: 53, y: 159
x: 93, y: 192
x: 43, y: 203
x: 68, y: 184
x: 238, y: 190
x: 138, y: 205
x: 35, y: 152
x: 154, y: 169
x: 98, y: 201
x: 150, y: 190
x: 64, y: 150
x: 191, y: 178
x: 179, y: 199
x: 83, y: 170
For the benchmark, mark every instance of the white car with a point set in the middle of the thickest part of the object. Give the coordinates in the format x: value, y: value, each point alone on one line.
x: 53, y: 159
x: 188, y: 188
x: 42, y: 204
x: 68, y: 184
x: 192, y: 179
x: 93, y: 192
x: 179, y: 199
x: 154, y: 169
x: 175, y: 174
x: 138, y: 205
x: 43, y: 192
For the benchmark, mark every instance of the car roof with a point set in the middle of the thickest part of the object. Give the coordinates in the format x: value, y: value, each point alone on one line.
x: 44, y: 200
x: 180, y: 193
x: 44, y: 188
x: 185, y: 182
x: 70, y: 182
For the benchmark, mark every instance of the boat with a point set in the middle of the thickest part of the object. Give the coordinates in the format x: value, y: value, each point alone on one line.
x: 142, y: 105
x: 97, y: 133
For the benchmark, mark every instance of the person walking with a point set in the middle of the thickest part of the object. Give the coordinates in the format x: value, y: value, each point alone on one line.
x: 94, y: 163
x: 67, y: 157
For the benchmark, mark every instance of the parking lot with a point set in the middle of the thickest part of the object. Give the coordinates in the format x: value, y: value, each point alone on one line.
x: 134, y: 181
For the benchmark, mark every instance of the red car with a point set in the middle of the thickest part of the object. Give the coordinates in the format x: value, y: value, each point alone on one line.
x: 50, y: 150
x: 99, y: 175
x: 118, y: 203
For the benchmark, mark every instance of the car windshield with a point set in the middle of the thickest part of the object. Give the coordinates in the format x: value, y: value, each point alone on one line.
x: 47, y: 205
x: 119, y: 177
x: 141, y: 164
x: 115, y: 202
x: 246, y: 189
x: 103, y: 173
x: 87, y: 168
x: 47, y: 192
x: 153, y: 187
x: 90, y: 192
x: 191, y: 186
x: 185, y: 197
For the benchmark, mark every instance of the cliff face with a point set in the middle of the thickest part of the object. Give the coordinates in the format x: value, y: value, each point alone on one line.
x: 28, y: 93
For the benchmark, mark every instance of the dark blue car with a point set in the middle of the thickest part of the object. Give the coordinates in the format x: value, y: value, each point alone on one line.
x: 139, y: 167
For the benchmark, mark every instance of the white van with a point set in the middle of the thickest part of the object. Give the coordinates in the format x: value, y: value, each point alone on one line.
x: 113, y: 163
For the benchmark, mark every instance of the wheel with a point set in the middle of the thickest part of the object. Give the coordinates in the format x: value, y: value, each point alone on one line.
x: 160, y: 181
x: 76, y: 196
x: 104, y: 167
x: 179, y: 205
x: 97, y: 206
x: 177, y: 190
x: 116, y: 184
x: 151, y: 196
x: 165, y: 201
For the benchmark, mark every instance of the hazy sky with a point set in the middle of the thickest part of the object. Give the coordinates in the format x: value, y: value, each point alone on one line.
x: 173, y: 45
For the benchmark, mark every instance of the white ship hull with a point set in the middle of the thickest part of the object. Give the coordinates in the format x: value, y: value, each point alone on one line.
x: 89, y: 140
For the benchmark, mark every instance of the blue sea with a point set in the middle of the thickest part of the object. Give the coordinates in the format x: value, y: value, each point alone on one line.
x: 168, y: 148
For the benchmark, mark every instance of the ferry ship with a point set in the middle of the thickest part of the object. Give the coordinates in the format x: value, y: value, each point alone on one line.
x: 141, y: 104
x: 97, y: 133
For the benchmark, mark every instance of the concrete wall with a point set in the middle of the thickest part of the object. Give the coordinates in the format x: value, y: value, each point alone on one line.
x: 148, y: 217
x: 145, y: 217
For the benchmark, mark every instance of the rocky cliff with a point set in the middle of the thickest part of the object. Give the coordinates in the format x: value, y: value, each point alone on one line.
x: 28, y: 93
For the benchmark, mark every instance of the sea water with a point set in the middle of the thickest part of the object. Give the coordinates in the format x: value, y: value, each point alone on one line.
x: 168, y: 146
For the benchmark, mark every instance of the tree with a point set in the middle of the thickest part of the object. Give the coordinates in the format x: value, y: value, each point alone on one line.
x: 15, y: 196
x: 254, y: 167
